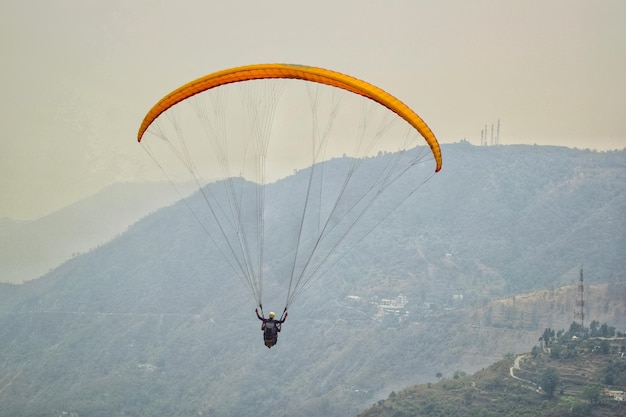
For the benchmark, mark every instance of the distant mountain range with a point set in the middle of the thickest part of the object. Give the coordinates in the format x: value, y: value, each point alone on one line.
x: 29, y: 249
x: 478, y: 263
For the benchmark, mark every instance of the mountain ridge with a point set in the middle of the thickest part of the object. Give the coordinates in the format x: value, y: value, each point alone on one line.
x: 154, y: 323
x: 30, y: 248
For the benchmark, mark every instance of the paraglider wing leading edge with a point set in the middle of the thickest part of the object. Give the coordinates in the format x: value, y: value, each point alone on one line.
x: 313, y: 74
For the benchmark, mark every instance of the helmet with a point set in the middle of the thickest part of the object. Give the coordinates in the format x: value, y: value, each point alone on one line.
x: 272, y: 314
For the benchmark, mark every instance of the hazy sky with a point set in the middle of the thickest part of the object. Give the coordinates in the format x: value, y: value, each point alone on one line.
x: 77, y: 76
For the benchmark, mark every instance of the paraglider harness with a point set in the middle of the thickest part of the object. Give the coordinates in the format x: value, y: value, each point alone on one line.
x: 270, y: 327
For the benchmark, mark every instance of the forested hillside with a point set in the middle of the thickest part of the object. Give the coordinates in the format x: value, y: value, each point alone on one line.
x: 154, y: 323
x: 586, y: 380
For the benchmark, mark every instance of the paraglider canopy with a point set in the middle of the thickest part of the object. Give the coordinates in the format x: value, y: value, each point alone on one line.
x: 301, y: 72
x: 293, y: 164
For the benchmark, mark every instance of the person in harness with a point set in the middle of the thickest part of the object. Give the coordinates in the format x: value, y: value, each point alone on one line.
x: 271, y: 327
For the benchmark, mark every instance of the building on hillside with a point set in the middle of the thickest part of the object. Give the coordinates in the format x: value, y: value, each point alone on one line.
x: 616, y: 395
x: 392, y: 307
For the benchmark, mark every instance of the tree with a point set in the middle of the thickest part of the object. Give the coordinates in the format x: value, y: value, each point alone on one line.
x: 575, y: 328
x: 556, y: 351
x: 535, y: 351
x: 547, y: 336
x: 607, y: 331
x: 458, y: 374
x: 550, y: 380
x: 593, y: 393
x: 605, y: 346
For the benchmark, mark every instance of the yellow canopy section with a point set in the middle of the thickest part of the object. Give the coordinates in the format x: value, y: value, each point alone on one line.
x: 301, y: 72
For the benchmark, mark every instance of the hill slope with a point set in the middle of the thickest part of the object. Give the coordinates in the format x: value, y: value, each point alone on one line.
x: 504, y: 390
x: 29, y: 249
x: 153, y: 323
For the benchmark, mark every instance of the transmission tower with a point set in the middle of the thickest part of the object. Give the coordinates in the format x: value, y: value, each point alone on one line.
x: 498, y: 133
x: 579, y: 313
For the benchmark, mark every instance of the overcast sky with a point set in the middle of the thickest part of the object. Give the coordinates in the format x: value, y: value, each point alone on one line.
x: 78, y: 76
